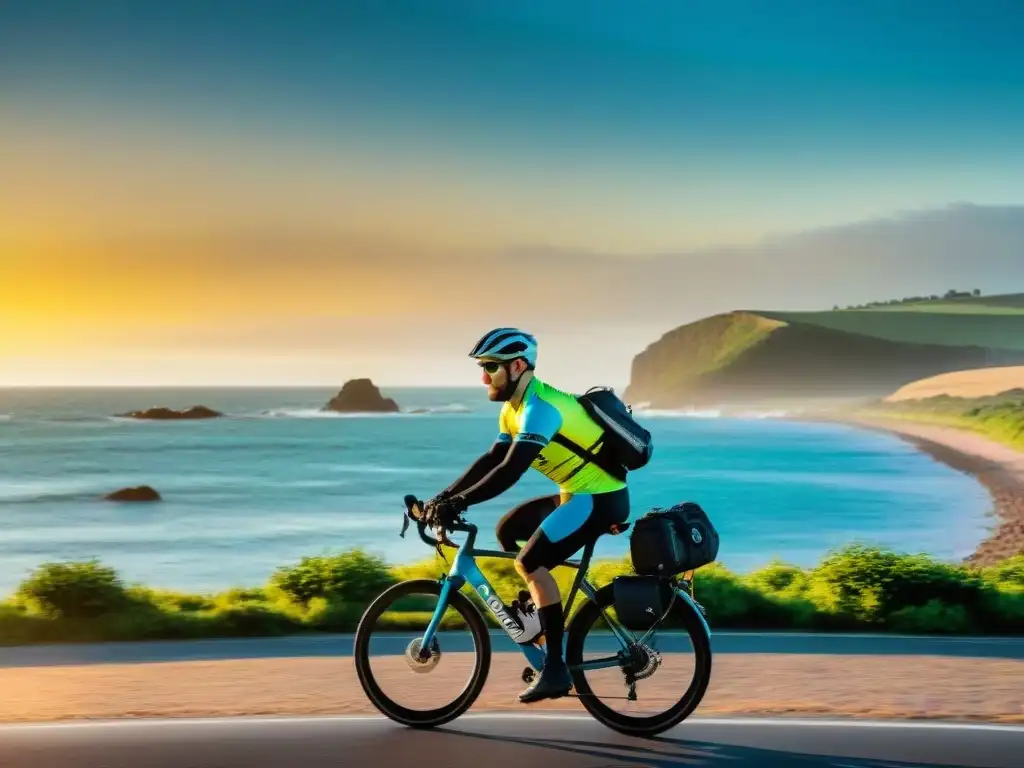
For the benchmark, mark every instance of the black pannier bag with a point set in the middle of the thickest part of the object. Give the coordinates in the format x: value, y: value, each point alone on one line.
x: 666, y: 542
x: 640, y: 601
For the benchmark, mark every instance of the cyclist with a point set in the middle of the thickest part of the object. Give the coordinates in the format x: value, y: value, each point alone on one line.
x: 546, y: 428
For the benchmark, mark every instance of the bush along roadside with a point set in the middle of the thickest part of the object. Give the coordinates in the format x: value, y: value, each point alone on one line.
x: 857, y: 588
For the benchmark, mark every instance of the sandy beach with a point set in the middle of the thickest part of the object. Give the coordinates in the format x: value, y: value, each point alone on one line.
x: 996, y: 466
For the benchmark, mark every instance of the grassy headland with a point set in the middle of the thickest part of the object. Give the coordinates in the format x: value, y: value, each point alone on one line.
x: 854, y: 589
x: 757, y: 356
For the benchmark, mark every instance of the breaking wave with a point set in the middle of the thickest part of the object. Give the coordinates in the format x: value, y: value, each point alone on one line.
x: 316, y: 413
x: 708, y: 413
x: 683, y: 413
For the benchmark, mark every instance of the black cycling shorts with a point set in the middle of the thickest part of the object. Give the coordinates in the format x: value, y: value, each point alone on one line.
x: 554, y: 530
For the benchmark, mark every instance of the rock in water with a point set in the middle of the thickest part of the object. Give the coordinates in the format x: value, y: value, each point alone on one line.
x: 138, y: 493
x: 195, y: 412
x: 360, y: 395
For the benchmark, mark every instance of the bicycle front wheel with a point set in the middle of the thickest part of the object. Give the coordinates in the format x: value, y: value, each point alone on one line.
x: 459, y: 659
x: 663, y: 698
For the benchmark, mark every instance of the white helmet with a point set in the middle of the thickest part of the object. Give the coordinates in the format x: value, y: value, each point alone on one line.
x: 506, y: 344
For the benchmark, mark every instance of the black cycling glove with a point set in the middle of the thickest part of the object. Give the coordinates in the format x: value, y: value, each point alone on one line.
x: 443, y: 509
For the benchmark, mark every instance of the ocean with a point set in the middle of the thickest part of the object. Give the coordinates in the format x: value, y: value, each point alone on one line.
x: 277, y: 480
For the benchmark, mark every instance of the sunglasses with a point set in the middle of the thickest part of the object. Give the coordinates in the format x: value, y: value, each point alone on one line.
x: 491, y: 368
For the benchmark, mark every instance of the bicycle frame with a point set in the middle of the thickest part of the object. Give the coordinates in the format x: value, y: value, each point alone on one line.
x: 465, y: 570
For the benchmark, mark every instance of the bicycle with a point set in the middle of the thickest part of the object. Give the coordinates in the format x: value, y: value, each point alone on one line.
x: 635, y: 658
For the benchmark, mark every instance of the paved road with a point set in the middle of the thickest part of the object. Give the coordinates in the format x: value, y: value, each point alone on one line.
x: 504, y: 741
x: 341, y: 645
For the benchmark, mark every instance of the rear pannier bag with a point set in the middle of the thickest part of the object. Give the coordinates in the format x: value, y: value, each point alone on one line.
x: 640, y: 601
x: 666, y: 542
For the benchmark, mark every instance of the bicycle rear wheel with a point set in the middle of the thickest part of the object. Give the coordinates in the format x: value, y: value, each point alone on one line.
x: 644, y: 661
x: 404, y: 637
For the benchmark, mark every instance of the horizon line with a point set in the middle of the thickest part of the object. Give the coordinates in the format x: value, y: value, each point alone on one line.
x: 233, y: 386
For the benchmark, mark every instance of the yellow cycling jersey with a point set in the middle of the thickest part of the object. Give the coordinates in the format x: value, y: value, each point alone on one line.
x: 544, y: 412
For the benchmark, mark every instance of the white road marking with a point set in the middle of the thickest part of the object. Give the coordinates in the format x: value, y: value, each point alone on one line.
x: 512, y: 716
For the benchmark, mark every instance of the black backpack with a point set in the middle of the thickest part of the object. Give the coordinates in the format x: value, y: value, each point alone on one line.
x: 625, y: 445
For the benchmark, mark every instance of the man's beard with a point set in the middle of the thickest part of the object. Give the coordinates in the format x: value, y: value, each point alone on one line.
x: 502, y: 394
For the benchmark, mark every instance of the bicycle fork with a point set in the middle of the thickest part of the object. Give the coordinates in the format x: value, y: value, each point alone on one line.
x: 535, y: 654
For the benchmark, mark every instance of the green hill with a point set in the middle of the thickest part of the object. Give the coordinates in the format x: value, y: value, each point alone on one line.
x: 753, y: 357
x: 951, y: 301
x: 985, y: 321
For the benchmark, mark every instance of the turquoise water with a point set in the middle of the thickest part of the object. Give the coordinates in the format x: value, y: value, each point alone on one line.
x: 278, y: 480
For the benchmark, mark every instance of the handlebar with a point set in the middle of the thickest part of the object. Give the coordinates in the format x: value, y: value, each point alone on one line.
x: 414, y: 511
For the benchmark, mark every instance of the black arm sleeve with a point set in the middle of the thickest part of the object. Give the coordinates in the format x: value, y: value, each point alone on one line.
x: 480, y: 467
x: 505, y: 475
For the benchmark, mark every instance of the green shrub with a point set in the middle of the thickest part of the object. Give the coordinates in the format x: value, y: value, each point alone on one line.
x: 730, y: 602
x: 253, y: 619
x: 934, y: 616
x: 237, y: 595
x: 332, y: 615
x: 855, y: 588
x: 353, y: 576
x: 16, y: 627
x: 1010, y: 572
x: 81, y: 589
x: 168, y: 600
x: 778, y: 578
x: 867, y: 585
x: 1005, y: 611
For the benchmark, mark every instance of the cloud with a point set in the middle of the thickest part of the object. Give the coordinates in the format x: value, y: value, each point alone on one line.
x: 267, y: 289
x: 927, y: 251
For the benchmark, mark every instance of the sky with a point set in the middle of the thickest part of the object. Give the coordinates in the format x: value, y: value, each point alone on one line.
x: 268, y: 193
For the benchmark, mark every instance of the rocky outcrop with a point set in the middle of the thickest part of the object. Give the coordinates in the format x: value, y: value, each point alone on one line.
x: 166, y: 414
x: 138, y: 493
x: 361, y: 396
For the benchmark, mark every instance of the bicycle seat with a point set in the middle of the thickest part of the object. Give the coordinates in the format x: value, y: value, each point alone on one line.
x: 617, y: 528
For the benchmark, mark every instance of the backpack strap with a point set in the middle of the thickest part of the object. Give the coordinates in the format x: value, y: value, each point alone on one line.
x: 589, y: 456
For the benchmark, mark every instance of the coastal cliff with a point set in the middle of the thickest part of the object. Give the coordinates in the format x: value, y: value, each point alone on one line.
x: 753, y: 357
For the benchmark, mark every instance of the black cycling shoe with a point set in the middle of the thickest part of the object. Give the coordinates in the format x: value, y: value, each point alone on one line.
x: 553, y: 682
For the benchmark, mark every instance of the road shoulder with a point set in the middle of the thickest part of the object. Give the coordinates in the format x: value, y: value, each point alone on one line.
x: 792, y: 685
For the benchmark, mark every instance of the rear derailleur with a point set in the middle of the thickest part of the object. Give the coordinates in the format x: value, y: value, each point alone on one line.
x: 641, y: 662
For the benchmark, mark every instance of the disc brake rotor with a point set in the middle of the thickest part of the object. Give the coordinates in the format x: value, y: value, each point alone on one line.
x: 418, y: 663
